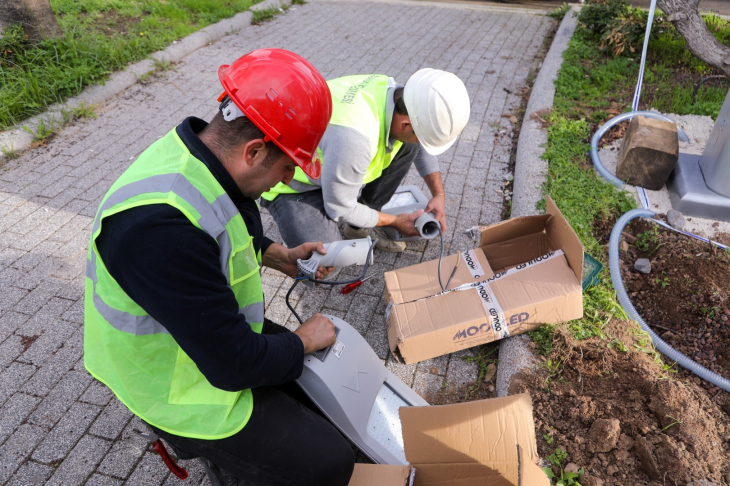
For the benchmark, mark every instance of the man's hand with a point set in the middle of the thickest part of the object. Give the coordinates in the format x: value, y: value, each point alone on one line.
x: 316, y: 333
x: 405, y: 223
x: 437, y: 206
x: 284, y: 259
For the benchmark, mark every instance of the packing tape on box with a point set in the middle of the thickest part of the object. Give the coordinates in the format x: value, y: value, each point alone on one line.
x: 486, y: 294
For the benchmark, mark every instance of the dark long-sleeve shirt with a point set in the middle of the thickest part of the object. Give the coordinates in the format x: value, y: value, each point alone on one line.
x: 171, y: 269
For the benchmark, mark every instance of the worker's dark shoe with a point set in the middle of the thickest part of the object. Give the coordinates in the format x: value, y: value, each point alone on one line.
x: 220, y: 477
x: 384, y: 243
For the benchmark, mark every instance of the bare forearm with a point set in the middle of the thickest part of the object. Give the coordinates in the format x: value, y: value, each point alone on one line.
x: 433, y: 181
x: 275, y: 256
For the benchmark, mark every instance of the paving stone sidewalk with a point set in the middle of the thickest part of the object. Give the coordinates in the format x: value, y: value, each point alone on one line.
x: 60, y: 426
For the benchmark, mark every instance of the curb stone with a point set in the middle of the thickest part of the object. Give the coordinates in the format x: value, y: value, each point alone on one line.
x: 18, y: 140
x: 530, y: 174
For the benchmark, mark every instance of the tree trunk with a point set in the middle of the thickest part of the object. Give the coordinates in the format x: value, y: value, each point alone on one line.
x: 36, y: 16
x: 700, y: 41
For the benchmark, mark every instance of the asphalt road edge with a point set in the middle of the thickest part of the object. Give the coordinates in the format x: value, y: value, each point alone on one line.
x: 20, y: 138
x: 530, y: 174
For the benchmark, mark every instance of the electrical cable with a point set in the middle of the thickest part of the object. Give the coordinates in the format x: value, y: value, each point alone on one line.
x: 329, y: 282
x: 453, y: 272
x: 441, y: 256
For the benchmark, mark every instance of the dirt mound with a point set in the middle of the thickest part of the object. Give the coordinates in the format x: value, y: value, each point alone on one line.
x: 615, y: 410
x: 685, y: 297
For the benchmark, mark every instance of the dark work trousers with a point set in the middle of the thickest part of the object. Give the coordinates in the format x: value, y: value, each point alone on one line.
x: 301, y: 217
x: 287, y: 441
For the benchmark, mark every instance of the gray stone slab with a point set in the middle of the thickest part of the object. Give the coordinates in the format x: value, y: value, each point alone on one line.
x: 52, y: 370
x: 112, y: 420
x: 54, y: 406
x: 150, y: 471
x: 17, y: 449
x: 126, y: 451
x: 81, y: 462
x: 14, y: 413
x: 31, y: 474
x: 48, y: 342
x: 460, y: 371
x: 66, y: 433
x: 13, y: 377
x: 428, y: 385
x: 97, y: 394
x: 10, y: 349
x: 101, y: 480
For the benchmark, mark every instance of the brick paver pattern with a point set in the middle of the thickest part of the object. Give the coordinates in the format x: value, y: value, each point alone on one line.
x: 60, y: 426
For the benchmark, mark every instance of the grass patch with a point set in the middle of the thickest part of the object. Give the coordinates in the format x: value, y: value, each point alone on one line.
x: 264, y: 15
x: 100, y: 37
x: 595, y: 83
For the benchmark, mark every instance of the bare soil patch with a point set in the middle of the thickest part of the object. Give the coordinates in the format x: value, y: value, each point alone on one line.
x: 685, y: 297
x: 624, y: 418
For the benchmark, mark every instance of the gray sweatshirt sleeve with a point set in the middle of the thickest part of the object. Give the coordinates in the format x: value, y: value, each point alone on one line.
x: 346, y: 157
x: 426, y: 163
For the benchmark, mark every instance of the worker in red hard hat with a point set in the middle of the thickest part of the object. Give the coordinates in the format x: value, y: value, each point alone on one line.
x: 174, y: 305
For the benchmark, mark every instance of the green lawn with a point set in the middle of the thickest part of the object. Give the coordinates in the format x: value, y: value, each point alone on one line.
x: 100, y: 37
x: 593, y: 86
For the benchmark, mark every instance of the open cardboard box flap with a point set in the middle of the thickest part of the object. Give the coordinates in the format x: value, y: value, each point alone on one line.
x: 380, y: 475
x: 424, y: 325
x: 486, y: 443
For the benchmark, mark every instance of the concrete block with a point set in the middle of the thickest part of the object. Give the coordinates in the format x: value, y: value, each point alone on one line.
x: 360, y: 312
x: 428, y: 386
x: 13, y: 377
x: 150, y: 471
x: 377, y: 336
x: 97, y: 393
x: 435, y: 366
x: 66, y: 433
x: 31, y: 474
x: 10, y: 349
x: 461, y: 372
x: 405, y: 372
x: 126, y: 451
x: 101, y: 480
x: 17, y: 448
x: 54, y: 406
x: 112, y: 420
x: 14, y: 413
x: 80, y: 462
x: 47, y: 344
x: 52, y: 370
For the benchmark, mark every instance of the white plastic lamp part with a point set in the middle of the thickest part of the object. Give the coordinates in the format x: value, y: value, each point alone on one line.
x: 352, y: 387
x: 339, y: 254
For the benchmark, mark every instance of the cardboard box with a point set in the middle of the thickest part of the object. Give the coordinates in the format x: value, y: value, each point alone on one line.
x: 526, y: 272
x: 486, y: 443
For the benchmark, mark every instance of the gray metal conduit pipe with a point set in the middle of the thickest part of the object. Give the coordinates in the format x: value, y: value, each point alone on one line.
x: 623, y: 298
x: 607, y: 126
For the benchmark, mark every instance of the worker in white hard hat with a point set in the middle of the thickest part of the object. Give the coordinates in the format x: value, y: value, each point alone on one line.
x: 377, y: 130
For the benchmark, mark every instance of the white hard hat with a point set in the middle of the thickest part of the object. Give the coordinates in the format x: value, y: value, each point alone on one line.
x: 438, y: 106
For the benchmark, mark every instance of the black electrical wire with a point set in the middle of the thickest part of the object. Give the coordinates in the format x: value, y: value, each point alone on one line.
x: 441, y: 256
x: 329, y: 282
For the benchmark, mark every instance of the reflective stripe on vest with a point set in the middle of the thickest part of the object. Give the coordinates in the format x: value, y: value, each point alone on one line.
x: 130, y: 351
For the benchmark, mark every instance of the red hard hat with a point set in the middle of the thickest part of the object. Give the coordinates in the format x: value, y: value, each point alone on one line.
x: 285, y: 97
